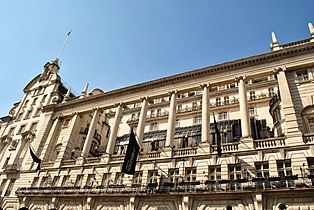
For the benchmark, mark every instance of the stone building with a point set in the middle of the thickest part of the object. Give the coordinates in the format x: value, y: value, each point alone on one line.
x: 263, y: 106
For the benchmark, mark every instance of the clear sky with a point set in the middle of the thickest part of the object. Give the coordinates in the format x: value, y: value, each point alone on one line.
x: 120, y: 43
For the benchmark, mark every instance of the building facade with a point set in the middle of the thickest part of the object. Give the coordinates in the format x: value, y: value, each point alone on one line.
x: 264, y: 110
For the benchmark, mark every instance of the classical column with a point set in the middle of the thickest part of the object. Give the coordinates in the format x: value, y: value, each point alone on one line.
x: 205, y: 114
x: 141, y: 122
x: 244, y: 113
x: 171, y: 119
x: 50, y: 140
x: 71, y: 137
x: 289, y: 112
x: 90, y: 134
x: 114, y: 130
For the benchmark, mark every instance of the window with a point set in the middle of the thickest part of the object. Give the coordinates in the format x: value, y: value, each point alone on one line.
x: 35, y: 182
x: 190, y: 174
x: 25, y: 103
x: 22, y: 129
x: 29, y: 113
x: 55, y: 181
x: 6, y: 162
x: 262, y: 169
x: 177, y: 123
x: 79, y: 180
x: 90, y: 180
x: 20, y: 115
x: 137, y: 179
x: 35, y: 100
x: 33, y: 127
x: 218, y: 101
x: 226, y: 100
x: 44, y: 181
x: 310, y: 162
x: 106, y: 179
x: 153, y: 127
x: 66, y: 122
x: 152, y: 113
x: 214, y: 173
x: 153, y: 176
x: 235, y: 173
x: 37, y: 112
x: 222, y: 87
x: 284, y: 168
x: 43, y: 99
x: 158, y: 112
x: 271, y: 92
x: 302, y: 76
x: 252, y: 95
x: 174, y: 175
x: 65, y: 181
x: 11, y: 131
x: 252, y: 111
x: 311, y: 124
x: 198, y: 120
x: 119, y: 178
x: 223, y: 116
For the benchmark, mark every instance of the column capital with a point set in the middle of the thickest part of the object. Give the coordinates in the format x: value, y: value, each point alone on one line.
x: 202, y: 86
x: 74, y: 113
x: 55, y: 118
x: 237, y: 79
x: 144, y: 98
x: 96, y: 109
x: 173, y: 92
x: 119, y: 104
x: 277, y: 70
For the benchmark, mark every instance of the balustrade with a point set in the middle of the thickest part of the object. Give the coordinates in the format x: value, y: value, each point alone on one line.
x: 270, y: 142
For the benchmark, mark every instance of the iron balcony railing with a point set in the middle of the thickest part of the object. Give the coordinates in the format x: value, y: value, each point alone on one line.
x: 252, y: 184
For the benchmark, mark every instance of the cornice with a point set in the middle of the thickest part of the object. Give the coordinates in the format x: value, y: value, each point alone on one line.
x: 198, y: 73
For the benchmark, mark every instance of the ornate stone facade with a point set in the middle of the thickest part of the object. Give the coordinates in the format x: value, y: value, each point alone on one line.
x: 263, y: 106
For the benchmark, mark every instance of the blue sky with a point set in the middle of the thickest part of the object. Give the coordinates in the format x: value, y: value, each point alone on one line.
x: 120, y: 43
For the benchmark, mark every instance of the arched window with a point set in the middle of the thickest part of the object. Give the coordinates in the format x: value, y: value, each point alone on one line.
x: 308, y: 118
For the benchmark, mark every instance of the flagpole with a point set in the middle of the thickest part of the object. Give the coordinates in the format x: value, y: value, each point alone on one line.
x: 65, y: 40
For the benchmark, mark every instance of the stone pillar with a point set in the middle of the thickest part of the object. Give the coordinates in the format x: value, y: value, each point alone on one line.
x: 244, y: 112
x: 90, y: 134
x: 50, y: 143
x: 185, y: 203
x: 205, y: 114
x: 114, y: 130
x: 142, y: 120
x: 289, y: 112
x: 171, y: 119
x: 132, y: 203
x: 72, y: 132
x: 258, y: 201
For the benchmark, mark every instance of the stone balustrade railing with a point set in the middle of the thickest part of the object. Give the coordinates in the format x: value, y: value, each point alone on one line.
x: 185, y: 151
x: 270, y: 142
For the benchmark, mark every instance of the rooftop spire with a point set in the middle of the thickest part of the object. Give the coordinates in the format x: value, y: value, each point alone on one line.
x: 275, y: 44
x: 311, y: 28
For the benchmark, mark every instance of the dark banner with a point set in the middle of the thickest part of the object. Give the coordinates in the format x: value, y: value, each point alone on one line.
x: 219, y: 150
x: 35, y: 158
x: 129, y: 163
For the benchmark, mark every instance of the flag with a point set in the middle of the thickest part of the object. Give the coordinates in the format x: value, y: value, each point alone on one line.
x: 219, y: 151
x: 69, y: 32
x: 35, y: 158
x: 129, y: 163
